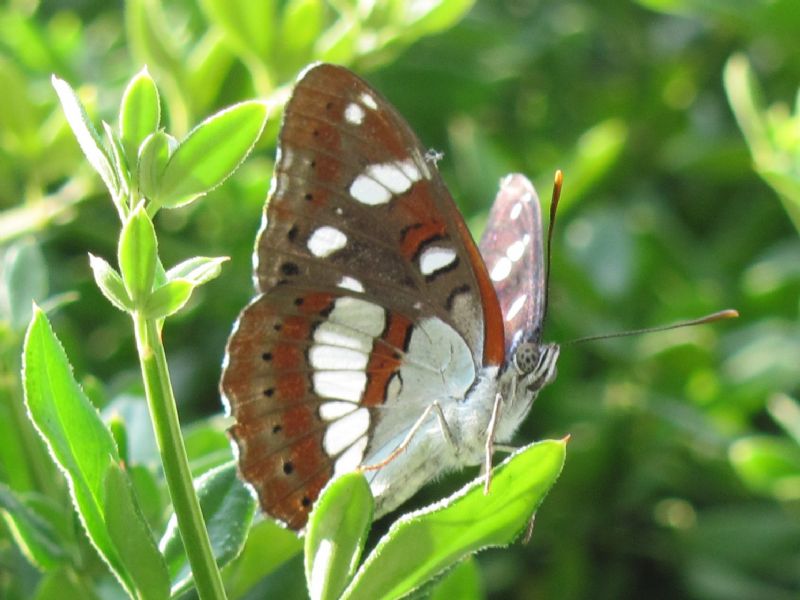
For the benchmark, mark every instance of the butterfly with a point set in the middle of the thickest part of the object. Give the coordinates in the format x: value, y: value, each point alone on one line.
x: 381, y: 335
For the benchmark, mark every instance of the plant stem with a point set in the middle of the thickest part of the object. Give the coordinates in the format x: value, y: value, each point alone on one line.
x: 164, y: 415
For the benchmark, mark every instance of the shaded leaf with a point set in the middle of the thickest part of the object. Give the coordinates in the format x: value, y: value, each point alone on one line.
x: 24, y: 281
x: 132, y: 536
x: 34, y: 536
x: 228, y: 509
x: 268, y: 546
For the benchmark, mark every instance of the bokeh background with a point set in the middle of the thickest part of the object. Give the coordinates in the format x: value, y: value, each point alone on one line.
x: 676, y: 125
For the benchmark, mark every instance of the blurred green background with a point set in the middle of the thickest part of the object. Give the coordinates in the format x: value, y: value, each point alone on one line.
x: 676, y: 126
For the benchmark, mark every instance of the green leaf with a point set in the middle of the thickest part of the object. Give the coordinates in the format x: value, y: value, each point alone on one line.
x: 463, y: 582
x: 153, y: 156
x: 75, y: 435
x: 422, y: 544
x: 148, y: 34
x: 339, y: 43
x: 33, y: 535
x: 110, y: 283
x: 211, y: 152
x: 248, y: 26
x: 301, y: 26
x: 768, y: 465
x: 120, y: 165
x: 168, y: 299
x: 139, y: 112
x: 152, y: 498
x: 24, y: 281
x: 268, y: 546
x: 207, y: 446
x: 61, y: 584
x: 337, y: 530
x: 228, y: 509
x: 438, y: 16
x: 786, y: 412
x: 87, y: 136
x: 197, y: 270
x: 132, y: 536
x: 137, y: 255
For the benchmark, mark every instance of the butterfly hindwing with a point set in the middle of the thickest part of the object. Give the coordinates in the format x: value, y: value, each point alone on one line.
x: 512, y: 250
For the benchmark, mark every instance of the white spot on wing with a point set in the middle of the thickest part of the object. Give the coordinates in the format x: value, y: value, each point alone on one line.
x: 336, y: 358
x: 369, y: 101
x: 516, y: 306
x: 515, y: 211
x: 391, y: 176
x: 345, y: 432
x: 410, y: 169
x: 341, y: 385
x: 330, y: 411
x: 380, y: 181
x: 325, y: 241
x: 350, y: 283
x: 360, y: 315
x: 501, y: 269
x: 341, y: 336
x: 435, y: 258
x: 515, y: 250
x: 351, y: 457
x: 368, y: 191
x: 354, y: 114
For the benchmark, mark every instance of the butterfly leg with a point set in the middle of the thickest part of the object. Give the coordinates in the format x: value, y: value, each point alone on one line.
x: 404, y: 444
x: 498, y: 399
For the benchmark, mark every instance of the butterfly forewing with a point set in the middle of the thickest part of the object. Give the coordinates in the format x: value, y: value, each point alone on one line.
x: 354, y: 197
x: 511, y: 247
x: 363, y: 266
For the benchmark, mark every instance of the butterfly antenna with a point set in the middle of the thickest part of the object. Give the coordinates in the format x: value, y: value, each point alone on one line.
x: 558, y: 181
x: 717, y: 316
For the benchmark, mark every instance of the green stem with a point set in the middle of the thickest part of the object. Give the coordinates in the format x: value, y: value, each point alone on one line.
x: 164, y: 415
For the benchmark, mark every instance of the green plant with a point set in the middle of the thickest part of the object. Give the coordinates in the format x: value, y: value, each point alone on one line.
x: 772, y: 134
x: 144, y: 169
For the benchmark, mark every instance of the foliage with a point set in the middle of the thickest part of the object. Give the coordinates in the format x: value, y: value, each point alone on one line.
x: 683, y: 477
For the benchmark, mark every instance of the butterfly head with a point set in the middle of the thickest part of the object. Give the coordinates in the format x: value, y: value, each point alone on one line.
x: 531, y: 366
x: 535, y: 365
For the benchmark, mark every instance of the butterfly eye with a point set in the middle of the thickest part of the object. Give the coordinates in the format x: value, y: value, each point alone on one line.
x: 526, y: 358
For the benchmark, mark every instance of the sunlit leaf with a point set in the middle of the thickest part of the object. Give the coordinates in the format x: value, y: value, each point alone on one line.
x: 336, y: 533
x: 201, y: 162
x: 421, y: 544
